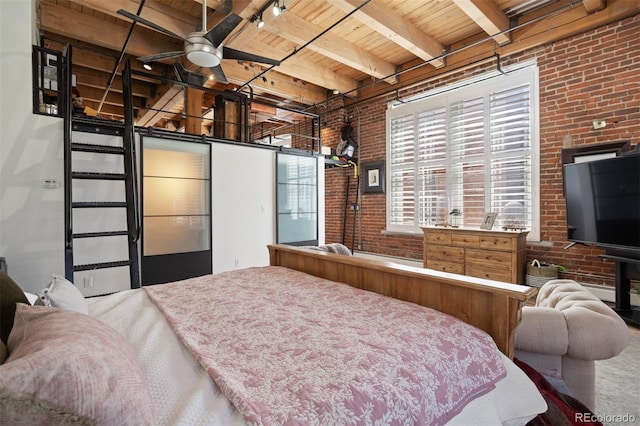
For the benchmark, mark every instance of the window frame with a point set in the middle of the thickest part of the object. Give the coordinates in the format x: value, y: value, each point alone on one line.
x: 481, y: 85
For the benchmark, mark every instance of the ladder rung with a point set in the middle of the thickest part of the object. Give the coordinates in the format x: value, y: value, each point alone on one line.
x: 91, y: 125
x: 98, y: 176
x: 100, y: 234
x: 104, y: 265
x: 102, y: 149
x: 98, y: 204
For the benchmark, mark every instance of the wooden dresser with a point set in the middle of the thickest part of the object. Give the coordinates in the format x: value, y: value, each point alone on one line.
x: 496, y: 255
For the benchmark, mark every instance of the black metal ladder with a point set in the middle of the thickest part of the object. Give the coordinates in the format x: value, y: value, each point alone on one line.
x: 351, y: 205
x: 84, y: 135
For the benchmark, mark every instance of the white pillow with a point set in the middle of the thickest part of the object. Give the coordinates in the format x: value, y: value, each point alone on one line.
x: 61, y: 293
x: 32, y: 298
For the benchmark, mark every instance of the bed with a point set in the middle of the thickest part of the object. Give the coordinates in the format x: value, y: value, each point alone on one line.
x: 270, y: 346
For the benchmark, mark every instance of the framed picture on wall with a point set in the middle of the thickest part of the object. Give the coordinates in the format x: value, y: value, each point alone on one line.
x: 373, y: 175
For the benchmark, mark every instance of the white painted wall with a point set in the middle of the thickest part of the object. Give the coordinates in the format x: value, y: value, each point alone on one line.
x: 243, y: 205
x: 31, y: 217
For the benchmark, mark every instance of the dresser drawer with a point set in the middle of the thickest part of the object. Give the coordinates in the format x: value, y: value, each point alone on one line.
x: 465, y: 240
x: 438, y: 265
x: 495, y: 255
x: 489, y: 273
x: 448, y: 253
x: 489, y: 258
x: 496, y: 243
x: 435, y: 237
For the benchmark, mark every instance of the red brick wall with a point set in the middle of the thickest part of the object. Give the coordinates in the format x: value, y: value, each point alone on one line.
x: 595, y: 75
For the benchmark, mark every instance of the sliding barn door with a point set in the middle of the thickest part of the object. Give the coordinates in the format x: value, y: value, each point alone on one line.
x: 176, y: 212
x: 297, y: 199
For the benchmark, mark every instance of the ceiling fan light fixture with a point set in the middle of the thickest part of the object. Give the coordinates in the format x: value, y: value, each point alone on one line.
x: 200, y: 51
x: 203, y: 59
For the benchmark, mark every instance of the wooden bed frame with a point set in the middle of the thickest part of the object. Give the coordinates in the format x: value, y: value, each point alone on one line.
x: 492, y: 306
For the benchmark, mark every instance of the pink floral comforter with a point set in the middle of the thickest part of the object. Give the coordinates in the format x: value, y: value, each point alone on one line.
x: 290, y: 348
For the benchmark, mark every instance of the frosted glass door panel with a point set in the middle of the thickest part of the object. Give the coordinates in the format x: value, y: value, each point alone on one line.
x: 176, y: 234
x: 170, y: 196
x: 176, y: 197
x: 297, y: 199
x: 294, y: 228
x: 167, y: 159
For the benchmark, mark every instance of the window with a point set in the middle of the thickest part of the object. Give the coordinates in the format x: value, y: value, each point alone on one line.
x: 473, y: 147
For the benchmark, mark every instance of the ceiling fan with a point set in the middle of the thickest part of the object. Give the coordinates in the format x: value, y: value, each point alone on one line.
x: 204, y: 48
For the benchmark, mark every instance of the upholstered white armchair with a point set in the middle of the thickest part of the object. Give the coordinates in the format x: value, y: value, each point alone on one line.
x: 565, y: 332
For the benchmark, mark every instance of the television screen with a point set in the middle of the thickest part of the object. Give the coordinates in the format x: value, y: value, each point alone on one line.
x: 603, y: 202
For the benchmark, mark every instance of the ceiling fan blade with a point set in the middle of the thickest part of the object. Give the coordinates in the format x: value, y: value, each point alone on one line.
x: 219, y: 74
x: 188, y: 76
x: 148, y: 23
x: 229, y: 53
x: 222, y: 29
x: 158, y: 56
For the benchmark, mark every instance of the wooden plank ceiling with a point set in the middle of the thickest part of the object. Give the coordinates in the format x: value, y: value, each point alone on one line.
x: 327, y: 47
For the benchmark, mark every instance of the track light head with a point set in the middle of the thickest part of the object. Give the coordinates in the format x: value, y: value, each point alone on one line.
x: 147, y: 66
x: 260, y: 21
x: 276, y: 8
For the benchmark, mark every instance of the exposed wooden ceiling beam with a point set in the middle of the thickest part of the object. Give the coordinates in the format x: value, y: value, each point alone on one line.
x: 166, y: 101
x: 306, y: 70
x: 592, y: 6
x: 488, y: 16
x: 172, y: 19
x: 299, y: 31
x: 395, y: 27
x: 273, y: 83
x: 112, y: 98
x: 101, y: 62
x: 100, y: 32
x: 97, y: 79
x: 573, y: 21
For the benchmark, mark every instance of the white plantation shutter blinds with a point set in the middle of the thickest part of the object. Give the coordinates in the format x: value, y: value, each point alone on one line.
x: 510, y: 131
x: 402, y: 178
x: 472, y: 146
x: 432, y: 154
x: 467, y: 150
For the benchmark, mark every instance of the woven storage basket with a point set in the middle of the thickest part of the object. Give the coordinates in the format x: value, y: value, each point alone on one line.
x: 539, y: 273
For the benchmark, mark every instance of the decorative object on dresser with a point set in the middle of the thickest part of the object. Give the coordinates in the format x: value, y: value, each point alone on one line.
x: 496, y: 255
x: 489, y: 220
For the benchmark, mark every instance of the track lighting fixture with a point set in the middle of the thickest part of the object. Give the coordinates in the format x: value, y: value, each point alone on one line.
x: 276, y: 9
x: 147, y: 66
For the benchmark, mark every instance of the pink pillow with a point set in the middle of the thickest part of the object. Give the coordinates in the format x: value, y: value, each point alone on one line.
x: 64, y: 366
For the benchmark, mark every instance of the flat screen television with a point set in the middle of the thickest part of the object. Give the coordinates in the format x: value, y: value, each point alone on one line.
x: 603, y: 203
